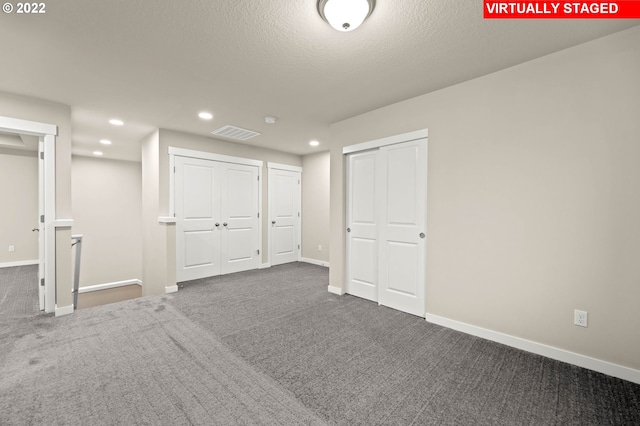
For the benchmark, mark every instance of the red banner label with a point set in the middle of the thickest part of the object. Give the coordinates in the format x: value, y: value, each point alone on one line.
x: 623, y: 9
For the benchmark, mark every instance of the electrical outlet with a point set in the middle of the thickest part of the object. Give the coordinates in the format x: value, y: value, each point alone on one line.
x: 319, y: 247
x: 12, y: 249
x: 580, y: 318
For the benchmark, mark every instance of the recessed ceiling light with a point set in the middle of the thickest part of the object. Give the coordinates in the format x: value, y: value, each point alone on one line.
x: 314, y: 143
x: 97, y: 153
x: 270, y: 120
x: 116, y: 122
x: 105, y: 141
x: 205, y: 115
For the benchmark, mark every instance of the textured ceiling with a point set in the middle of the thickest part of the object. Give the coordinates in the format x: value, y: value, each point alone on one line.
x: 157, y: 63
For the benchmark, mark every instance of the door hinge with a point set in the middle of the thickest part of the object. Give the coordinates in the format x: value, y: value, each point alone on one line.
x: 258, y: 214
x: 298, y: 246
x: 298, y: 181
x: 41, y: 282
x: 258, y: 177
x: 41, y: 218
x: 258, y: 251
x: 174, y: 169
x: 42, y: 155
x: 298, y: 214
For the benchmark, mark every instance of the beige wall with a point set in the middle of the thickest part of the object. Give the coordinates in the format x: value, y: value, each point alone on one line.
x: 315, y: 206
x: 32, y: 109
x: 533, y: 200
x: 170, y: 138
x: 107, y: 210
x: 19, y: 212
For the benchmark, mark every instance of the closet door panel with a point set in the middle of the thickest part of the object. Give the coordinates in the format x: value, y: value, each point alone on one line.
x: 362, y: 226
x: 239, y: 207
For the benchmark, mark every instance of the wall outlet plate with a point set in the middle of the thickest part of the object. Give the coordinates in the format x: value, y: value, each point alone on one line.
x: 580, y: 318
x: 12, y: 249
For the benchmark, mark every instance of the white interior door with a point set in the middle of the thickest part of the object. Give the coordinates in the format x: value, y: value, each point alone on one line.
x: 198, y: 224
x: 362, y: 222
x: 40, y: 228
x: 240, y: 214
x: 284, y: 215
x: 402, y: 226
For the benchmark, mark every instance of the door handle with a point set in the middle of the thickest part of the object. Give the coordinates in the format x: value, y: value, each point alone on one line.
x: 348, y: 229
x: 422, y: 235
x: 273, y: 222
x: 35, y: 229
x: 217, y: 225
x: 224, y: 224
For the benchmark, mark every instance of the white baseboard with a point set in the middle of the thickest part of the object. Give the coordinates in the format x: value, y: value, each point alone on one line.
x: 19, y: 263
x: 265, y: 265
x: 573, y: 358
x: 106, y: 286
x: 336, y: 290
x: 67, y: 310
x: 314, y: 261
x: 171, y: 289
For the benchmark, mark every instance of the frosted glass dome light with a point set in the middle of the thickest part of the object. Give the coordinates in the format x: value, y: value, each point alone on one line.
x: 345, y: 15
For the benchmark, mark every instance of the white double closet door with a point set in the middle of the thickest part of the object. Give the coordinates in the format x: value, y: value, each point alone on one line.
x: 386, y: 225
x: 217, y: 218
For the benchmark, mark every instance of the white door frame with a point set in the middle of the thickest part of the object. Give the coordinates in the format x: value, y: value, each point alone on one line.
x: 277, y: 166
x: 376, y: 144
x: 47, y: 134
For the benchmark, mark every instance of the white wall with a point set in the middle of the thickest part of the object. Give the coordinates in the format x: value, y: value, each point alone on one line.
x: 19, y: 212
x: 533, y: 199
x: 107, y: 208
x: 315, y: 206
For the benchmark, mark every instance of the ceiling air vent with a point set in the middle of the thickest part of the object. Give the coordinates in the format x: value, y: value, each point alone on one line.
x: 233, y: 132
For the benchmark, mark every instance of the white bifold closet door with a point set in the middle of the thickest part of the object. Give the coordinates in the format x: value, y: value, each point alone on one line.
x: 216, y: 206
x: 386, y: 220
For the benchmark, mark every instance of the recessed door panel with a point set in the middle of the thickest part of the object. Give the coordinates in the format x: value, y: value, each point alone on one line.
x: 197, y: 192
x: 401, y: 205
x: 285, y: 240
x: 199, y: 248
x: 240, y: 248
x: 363, y: 187
x: 402, y: 268
x: 240, y: 196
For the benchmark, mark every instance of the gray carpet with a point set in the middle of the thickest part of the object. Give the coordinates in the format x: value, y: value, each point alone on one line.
x: 274, y: 347
x: 136, y: 362
x: 354, y: 362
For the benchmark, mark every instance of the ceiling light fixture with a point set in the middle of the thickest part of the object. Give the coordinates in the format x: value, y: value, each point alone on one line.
x: 116, y: 122
x: 314, y: 143
x: 105, y: 142
x: 269, y: 120
x: 205, y: 115
x: 97, y: 153
x: 345, y: 15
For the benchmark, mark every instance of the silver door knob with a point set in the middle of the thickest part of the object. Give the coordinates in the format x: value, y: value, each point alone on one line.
x: 217, y: 224
x: 224, y: 224
x: 422, y: 235
x: 348, y: 229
